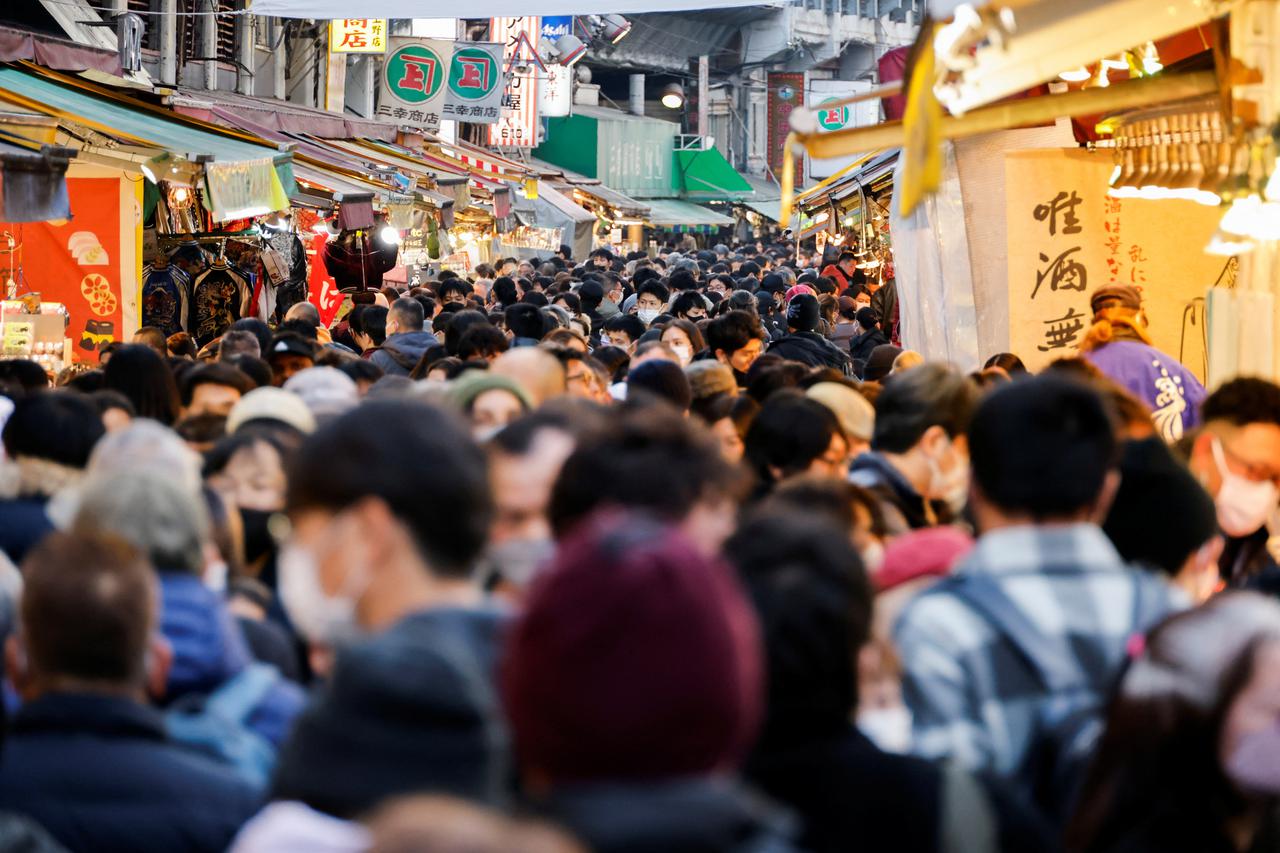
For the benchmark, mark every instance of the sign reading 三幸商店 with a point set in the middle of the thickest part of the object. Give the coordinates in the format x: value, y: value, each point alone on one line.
x: 517, y: 125
x: 475, y: 83
x: 415, y: 80
x: 358, y: 35
x: 1067, y: 238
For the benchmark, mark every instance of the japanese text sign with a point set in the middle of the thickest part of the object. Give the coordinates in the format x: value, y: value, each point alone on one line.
x: 1067, y: 238
x: 475, y: 83
x: 414, y: 81
x: 517, y: 125
x: 786, y: 92
x: 358, y: 35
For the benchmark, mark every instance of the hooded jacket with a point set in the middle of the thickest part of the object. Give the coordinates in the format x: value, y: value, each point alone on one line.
x: 411, y: 709
x: 26, y: 484
x: 812, y: 349
x: 860, y: 346
x: 400, y: 353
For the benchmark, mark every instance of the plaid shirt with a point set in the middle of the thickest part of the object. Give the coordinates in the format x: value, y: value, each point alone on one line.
x: 972, y: 696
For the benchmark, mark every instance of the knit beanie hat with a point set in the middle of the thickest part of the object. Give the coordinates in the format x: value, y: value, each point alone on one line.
x: 664, y: 379
x: 803, y: 313
x: 881, y: 362
x: 464, y: 390
x: 636, y: 658
x: 773, y: 283
x: 856, y: 414
x: 709, y: 377
x: 797, y: 289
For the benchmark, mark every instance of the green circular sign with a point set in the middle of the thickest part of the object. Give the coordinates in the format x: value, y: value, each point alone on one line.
x: 473, y: 74
x: 414, y: 73
x: 834, y: 118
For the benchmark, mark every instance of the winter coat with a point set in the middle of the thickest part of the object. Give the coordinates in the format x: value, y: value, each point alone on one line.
x: 903, y: 507
x: 860, y: 346
x: 814, y: 350
x: 400, y: 353
x: 99, y: 775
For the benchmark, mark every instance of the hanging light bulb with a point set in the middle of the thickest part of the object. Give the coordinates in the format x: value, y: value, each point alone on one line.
x: 389, y: 235
x: 1076, y: 75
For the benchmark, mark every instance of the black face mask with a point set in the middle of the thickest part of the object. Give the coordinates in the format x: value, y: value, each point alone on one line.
x: 740, y: 377
x: 257, y: 535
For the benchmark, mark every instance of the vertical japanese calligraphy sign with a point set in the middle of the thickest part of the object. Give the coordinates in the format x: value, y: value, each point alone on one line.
x: 88, y: 262
x: 786, y: 92
x: 358, y: 35
x: 414, y: 82
x: 476, y: 83
x: 517, y: 125
x: 1067, y: 238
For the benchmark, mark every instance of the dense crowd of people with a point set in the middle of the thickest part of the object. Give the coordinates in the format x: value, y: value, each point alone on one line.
x: 681, y: 554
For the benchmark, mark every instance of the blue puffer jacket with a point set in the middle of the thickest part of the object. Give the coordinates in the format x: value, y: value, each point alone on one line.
x: 209, y: 648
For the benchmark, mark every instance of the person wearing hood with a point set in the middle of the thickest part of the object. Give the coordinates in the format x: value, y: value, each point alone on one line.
x: 803, y: 343
x: 406, y: 341
x: 633, y: 683
x: 379, y: 569
x: 47, y: 442
x: 867, y: 336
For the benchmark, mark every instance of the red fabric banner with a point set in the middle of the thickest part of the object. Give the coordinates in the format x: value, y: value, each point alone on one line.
x: 322, y: 290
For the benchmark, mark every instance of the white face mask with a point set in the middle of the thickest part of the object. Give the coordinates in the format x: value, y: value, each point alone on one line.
x: 1243, y: 505
x: 517, y: 561
x: 647, y: 315
x: 317, y: 617
x: 888, y: 728
x: 684, y: 353
x: 952, y: 487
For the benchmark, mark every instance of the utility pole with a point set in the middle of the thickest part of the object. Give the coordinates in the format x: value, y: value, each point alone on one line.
x: 704, y: 71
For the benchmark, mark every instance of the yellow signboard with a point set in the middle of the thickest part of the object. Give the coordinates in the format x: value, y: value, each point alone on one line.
x: 358, y: 35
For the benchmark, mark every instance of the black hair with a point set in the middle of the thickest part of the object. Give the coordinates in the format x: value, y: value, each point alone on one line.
x: 86, y: 383
x: 682, y: 279
x: 26, y: 374
x: 614, y: 360
x: 361, y: 370
x: 138, y: 372
x: 453, y: 285
x: 257, y: 328
x: 504, y: 290
x: 217, y: 373
x: 1008, y: 362
x: 649, y: 458
x: 459, y: 324
x: 571, y: 301
x: 788, y: 433
x: 1042, y: 447
x: 1242, y: 401
x: 686, y: 301
x: 390, y: 450
x: 926, y: 396
x: 255, y: 368
x: 628, y: 324
x: 59, y: 426
x: 732, y: 331
x: 104, y: 401
x: 524, y: 321
x: 481, y: 340
x: 654, y: 288
x: 298, y: 327
x: 645, y: 274
x: 373, y: 323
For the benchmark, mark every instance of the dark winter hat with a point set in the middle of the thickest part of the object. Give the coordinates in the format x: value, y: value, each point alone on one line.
x: 867, y: 318
x: 664, y: 379
x: 1158, y: 493
x: 591, y: 294
x: 880, y: 363
x: 637, y: 658
x: 803, y: 312
x: 764, y: 302
x: 1115, y: 296
x: 773, y: 283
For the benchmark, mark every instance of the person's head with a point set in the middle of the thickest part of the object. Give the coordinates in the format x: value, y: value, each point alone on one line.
x: 856, y: 414
x: 154, y: 337
x: 24, y: 374
x: 847, y: 262
x: 326, y: 391
x: 160, y: 515
x: 482, y: 342
x: 363, y: 372
x: 1236, y: 455
x: 238, y: 342
x: 388, y: 503
x: 88, y: 619
x: 49, y: 437
x: 803, y: 313
x: 921, y: 420
x: 636, y: 660
x: 650, y: 459
x: 685, y: 340
x: 735, y: 339
x: 906, y: 360
x: 524, y: 321
x: 488, y: 401
x: 689, y: 305
x: 260, y: 330
x: 659, y: 379
x: 1117, y: 315
x: 1045, y: 430
x: 139, y: 373
x: 459, y: 324
x: 880, y: 363
x: 258, y: 371
x: 453, y: 290
x: 504, y: 291
x: 623, y: 331
x: 729, y: 417
x: 651, y: 300
x: 373, y: 327
x: 567, y: 338
x: 305, y: 312
x: 1193, y: 718
x: 181, y: 345
x: 213, y: 389
x: 793, y: 434
x: 114, y: 408
x: 406, y: 315
x: 1008, y: 362
x: 535, y: 370
x: 813, y: 601
x: 867, y: 319
x: 290, y: 353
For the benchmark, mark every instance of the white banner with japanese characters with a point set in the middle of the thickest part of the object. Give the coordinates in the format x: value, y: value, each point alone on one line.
x: 415, y: 81
x: 1067, y: 238
x: 475, y: 83
x: 517, y: 125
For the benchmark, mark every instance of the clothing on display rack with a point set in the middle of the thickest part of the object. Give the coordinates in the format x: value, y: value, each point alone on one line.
x: 220, y: 296
x: 165, y: 296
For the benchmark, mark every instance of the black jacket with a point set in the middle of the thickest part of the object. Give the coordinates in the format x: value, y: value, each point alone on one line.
x: 685, y: 816
x: 99, y: 775
x: 814, y: 350
x: 860, y: 346
x: 903, y: 507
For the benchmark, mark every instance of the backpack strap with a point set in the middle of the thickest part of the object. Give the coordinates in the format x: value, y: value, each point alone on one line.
x: 1057, y: 672
x: 236, y: 699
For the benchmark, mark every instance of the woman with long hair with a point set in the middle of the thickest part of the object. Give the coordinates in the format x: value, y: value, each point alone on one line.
x: 1190, y: 759
x: 1119, y: 345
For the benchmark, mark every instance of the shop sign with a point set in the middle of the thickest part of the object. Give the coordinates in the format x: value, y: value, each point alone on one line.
x: 786, y: 92
x: 322, y: 290
x: 517, y: 125
x: 413, y: 83
x: 555, y: 92
x: 358, y: 35
x: 831, y: 119
x: 555, y: 26
x: 475, y: 83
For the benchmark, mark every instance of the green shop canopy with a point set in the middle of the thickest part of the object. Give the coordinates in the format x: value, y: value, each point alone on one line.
x: 684, y: 216
x: 706, y: 176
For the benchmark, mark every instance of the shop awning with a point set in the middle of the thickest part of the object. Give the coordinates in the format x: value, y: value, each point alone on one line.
x: 482, y: 9
x: 705, y: 175
x: 33, y: 182
x: 283, y: 116
x: 624, y: 205
x: 61, y: 54
x: 670, y: 213
x: 552, y: 209
x: 767, y: 200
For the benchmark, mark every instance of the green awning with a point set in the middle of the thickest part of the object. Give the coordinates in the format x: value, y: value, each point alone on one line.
x: 116, y: 115
x: 669, y: 213
x: 706, y: 175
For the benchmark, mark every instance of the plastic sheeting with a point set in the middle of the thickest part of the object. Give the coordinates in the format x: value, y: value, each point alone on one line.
x: 935, y: 286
